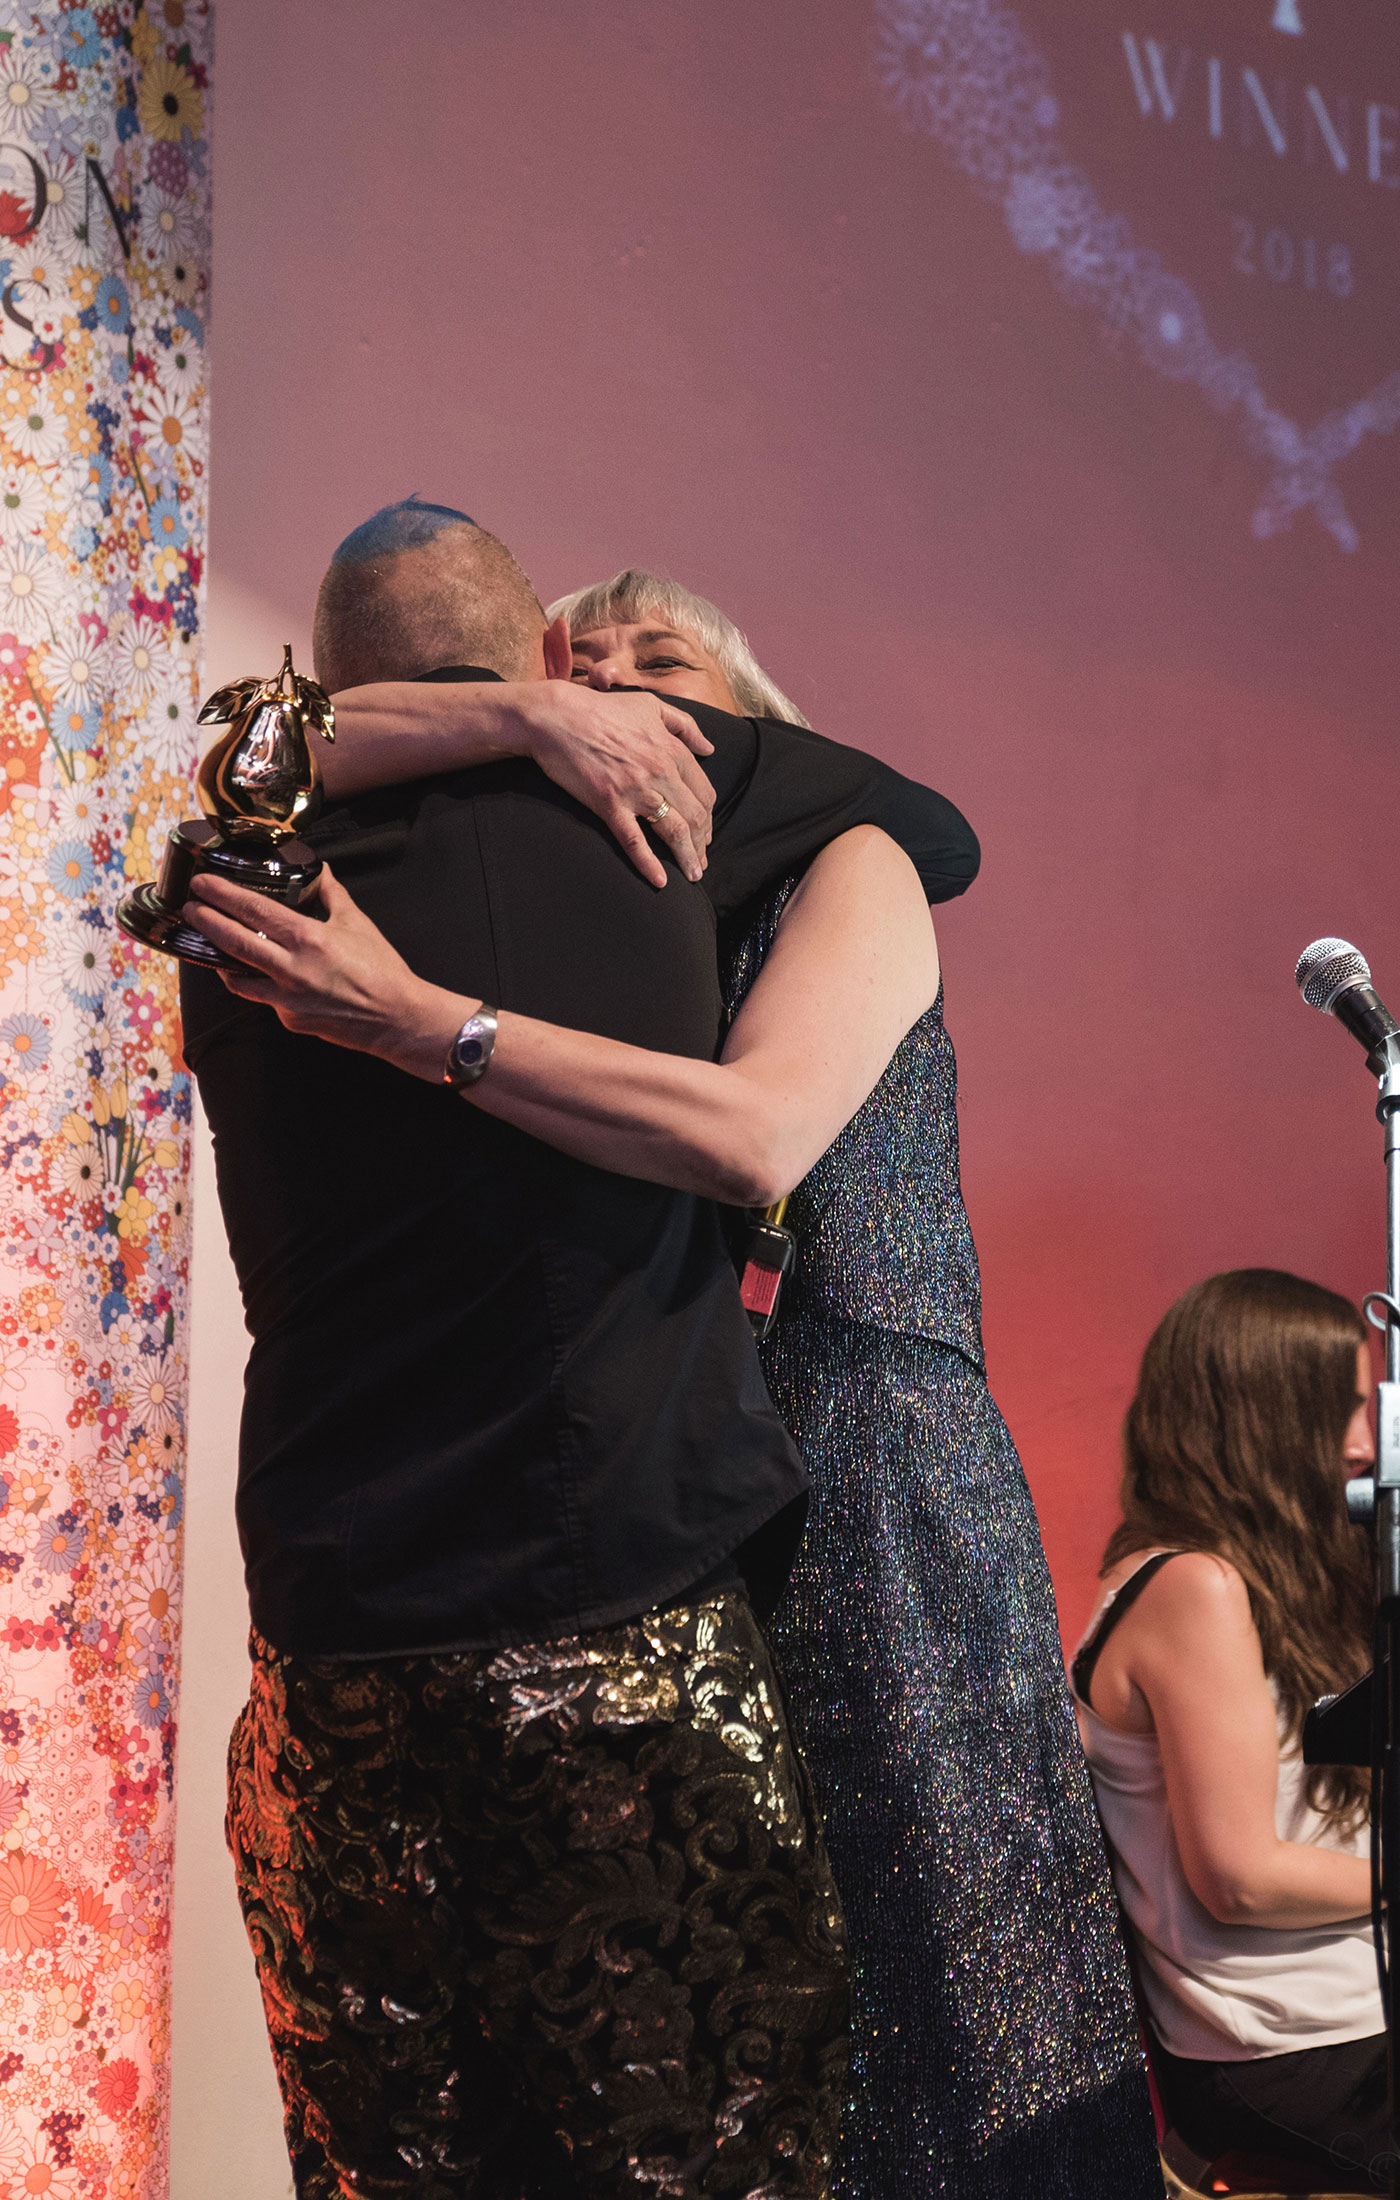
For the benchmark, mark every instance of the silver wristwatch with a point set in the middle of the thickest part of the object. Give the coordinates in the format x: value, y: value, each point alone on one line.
x: 469, y: 1056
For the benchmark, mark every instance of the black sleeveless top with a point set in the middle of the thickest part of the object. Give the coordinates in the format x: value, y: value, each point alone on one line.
x: 1086, y: 1657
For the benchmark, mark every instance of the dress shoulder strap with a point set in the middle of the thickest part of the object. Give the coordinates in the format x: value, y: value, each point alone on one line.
x: 1122, y: 1600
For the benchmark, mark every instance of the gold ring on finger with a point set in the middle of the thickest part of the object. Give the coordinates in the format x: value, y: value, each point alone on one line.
x: 654, y: 817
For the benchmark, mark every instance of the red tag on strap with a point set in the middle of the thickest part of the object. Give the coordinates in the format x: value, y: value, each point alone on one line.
x: 768, y: 1257
x: 758, y: 1287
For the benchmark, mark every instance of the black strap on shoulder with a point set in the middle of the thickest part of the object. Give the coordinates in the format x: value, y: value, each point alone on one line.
x: 1087, y: 1656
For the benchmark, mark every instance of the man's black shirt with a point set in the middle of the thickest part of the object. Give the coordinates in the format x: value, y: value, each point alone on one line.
x: 495, y: 1394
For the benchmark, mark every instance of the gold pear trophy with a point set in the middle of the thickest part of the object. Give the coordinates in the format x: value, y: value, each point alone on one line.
x: 255, y: 787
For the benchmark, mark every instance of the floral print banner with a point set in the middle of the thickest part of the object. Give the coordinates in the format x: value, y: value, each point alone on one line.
x: 104, y: 204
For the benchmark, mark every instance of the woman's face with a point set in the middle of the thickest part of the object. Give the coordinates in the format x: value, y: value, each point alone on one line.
x: 1359, y: 1446
x: 652, y: 656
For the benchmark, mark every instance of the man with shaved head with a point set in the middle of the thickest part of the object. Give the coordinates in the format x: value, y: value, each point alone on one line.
x: 397, y: 599
x: 385, y: 614
x: 529, y: 1865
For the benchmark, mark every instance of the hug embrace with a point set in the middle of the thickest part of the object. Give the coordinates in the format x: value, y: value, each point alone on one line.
x: 659, y: 1774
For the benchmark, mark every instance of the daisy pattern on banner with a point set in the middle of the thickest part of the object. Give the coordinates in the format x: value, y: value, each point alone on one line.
x: 104, y: 250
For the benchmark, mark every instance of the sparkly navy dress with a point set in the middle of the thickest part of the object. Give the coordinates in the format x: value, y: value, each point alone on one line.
x: 996, y: 2048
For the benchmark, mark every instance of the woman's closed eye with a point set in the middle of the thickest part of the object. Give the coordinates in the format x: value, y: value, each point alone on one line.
x: 630, y: 655
x: 655, y: 665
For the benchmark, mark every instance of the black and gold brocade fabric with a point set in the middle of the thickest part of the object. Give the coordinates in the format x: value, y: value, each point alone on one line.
x: 552, y: 1922
x: 994, y: 2040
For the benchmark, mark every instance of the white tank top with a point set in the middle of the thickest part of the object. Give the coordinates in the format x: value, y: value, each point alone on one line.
x: 1224, y: 1993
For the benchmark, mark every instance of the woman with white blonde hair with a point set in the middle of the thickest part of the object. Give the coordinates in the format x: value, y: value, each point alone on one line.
x: 664, y: 609
x: 994, y: 2040
x: 996, y: 2046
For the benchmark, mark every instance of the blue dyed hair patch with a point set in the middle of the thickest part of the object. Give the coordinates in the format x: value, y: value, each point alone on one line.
x: 395, y: 527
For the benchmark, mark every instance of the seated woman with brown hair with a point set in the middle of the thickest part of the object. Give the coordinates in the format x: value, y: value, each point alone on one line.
x: 1236, y: 1594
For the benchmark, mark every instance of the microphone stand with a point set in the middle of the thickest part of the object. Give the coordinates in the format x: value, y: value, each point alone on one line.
x: 1385, y: 1736
x: 1376, y: 1498
x: 1333, y: 976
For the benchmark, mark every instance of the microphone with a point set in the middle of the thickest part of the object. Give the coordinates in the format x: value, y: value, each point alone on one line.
x: 1335, y: 976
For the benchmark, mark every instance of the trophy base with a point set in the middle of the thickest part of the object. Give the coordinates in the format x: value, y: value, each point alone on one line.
x: 285, y: 870
x: 142, y: 917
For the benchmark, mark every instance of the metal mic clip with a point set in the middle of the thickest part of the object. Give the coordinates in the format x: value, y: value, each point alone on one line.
x: 1382, y: 1312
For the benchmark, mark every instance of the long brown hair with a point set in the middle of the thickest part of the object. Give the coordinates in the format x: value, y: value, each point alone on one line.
x: 1233, y: 1444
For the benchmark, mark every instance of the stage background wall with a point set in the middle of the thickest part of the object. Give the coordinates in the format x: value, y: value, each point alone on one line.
x: 826, y: 310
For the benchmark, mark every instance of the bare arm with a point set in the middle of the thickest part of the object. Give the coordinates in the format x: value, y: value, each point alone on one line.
x: 622, y: 756
x: 855, y: 963
x: 1188, y: 1655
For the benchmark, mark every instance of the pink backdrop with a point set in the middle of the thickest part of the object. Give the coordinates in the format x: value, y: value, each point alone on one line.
x: 809, y: 304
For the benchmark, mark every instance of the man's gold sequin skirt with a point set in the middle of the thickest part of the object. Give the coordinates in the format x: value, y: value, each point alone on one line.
x: 553, y: 1920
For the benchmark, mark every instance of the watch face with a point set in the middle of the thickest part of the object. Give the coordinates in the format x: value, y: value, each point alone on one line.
x: 471, y: 1050
x: 468, y: 1050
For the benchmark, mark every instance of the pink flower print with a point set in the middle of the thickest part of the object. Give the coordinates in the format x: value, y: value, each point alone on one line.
x: 118, y: 2084
x: 133, y: 1922
x: 168, y: 169
x: 111, y: 1419
x: 30, y: 1897
x: 143, y: 1012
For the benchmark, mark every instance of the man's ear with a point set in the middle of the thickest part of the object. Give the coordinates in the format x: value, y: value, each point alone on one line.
x: 558, y: 650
